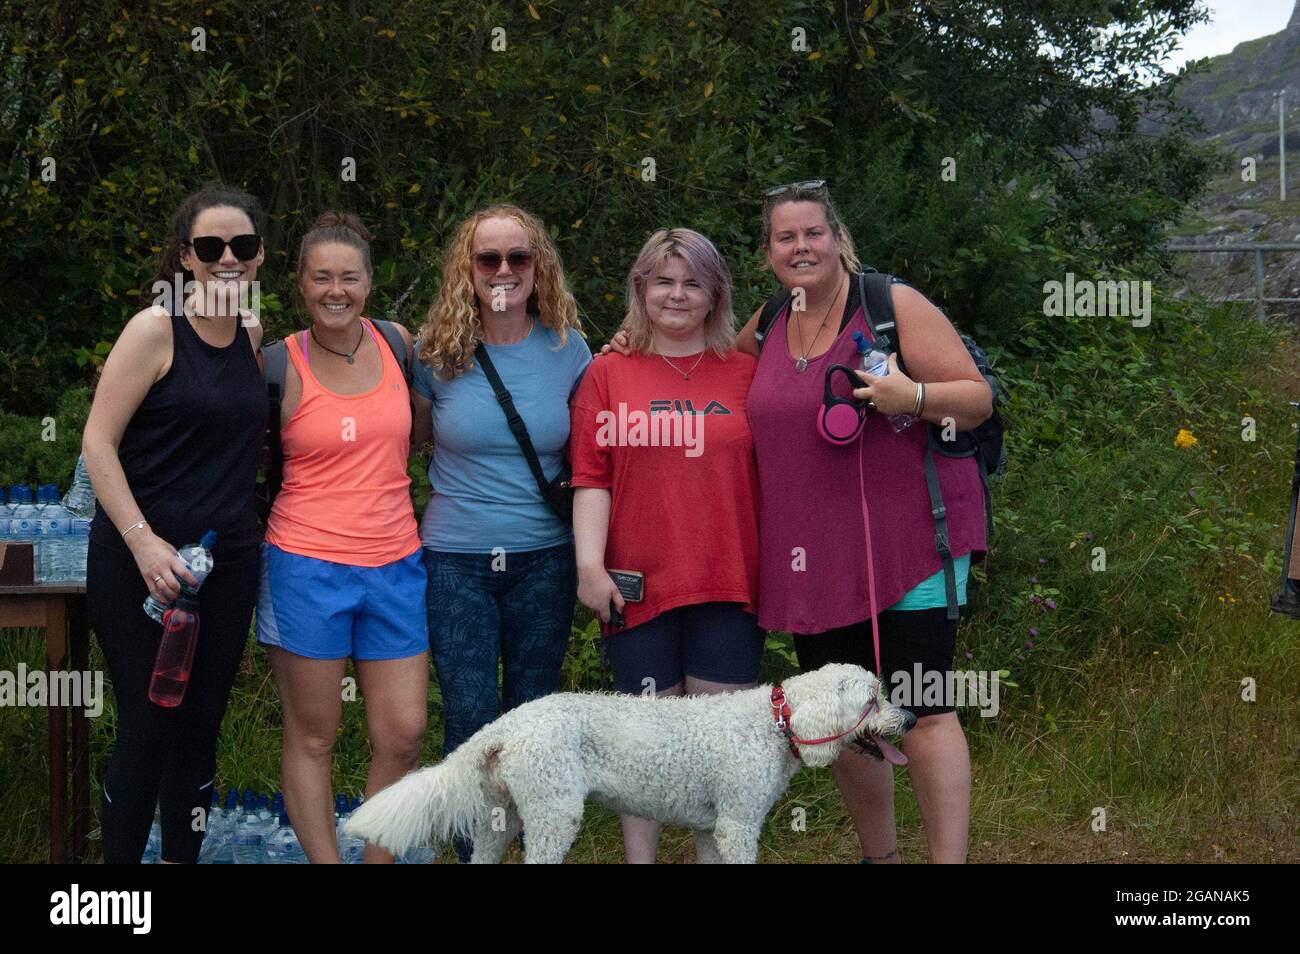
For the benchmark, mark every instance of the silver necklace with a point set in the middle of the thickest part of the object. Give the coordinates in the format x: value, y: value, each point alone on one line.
x: 801, y: 365
x: 686, y: 375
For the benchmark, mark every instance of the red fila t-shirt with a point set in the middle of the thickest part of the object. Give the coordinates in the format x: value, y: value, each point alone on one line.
x: 678, y: 459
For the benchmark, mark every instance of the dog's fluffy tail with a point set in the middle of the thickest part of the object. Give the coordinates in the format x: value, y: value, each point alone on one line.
x: 429, y: 805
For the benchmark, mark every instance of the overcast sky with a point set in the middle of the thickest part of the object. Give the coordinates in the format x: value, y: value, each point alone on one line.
x: 1232, y: 22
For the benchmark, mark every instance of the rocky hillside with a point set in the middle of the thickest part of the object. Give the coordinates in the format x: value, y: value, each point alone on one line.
x: 1236, y: 100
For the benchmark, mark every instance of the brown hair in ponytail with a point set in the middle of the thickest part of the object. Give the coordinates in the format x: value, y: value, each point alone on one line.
x: 342, y: 227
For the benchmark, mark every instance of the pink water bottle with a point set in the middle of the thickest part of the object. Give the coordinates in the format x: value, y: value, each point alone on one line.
x: 171, y: 670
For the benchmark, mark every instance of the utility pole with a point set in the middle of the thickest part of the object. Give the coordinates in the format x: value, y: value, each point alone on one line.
x: 1281, y: 140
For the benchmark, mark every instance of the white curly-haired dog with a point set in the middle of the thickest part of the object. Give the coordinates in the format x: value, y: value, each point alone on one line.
x: 713, y: 763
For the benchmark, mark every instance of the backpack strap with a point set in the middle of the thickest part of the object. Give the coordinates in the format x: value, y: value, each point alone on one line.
x: 771, y: 308
x: 875, y: 290
x: 401, y: 351
x: 275, y: 358
x: 940, y: 514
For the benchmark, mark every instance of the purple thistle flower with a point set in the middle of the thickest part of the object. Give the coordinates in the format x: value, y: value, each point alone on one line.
x: 1033, y: 579
x: 1035, y: 598
x: 969, y: 654
x: 1042, y: 561
x: 1029, y: 644
x: 1050, y: 604
x: 1033, y: 631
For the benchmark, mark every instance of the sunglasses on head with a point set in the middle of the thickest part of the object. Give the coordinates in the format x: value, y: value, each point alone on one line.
x: 808, y: 185
x: 490, y: 262
x: 210, y: 248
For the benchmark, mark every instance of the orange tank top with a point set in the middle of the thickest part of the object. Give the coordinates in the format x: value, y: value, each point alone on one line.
x: 346, y: 495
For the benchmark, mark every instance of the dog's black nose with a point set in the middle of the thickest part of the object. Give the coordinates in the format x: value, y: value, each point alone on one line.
x: 909, y: 719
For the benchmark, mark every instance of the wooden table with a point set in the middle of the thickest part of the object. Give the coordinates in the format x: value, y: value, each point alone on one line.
x: 60, y: 610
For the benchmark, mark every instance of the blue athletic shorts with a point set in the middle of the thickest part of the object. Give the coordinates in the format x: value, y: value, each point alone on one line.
x: 716, y: 642
x: 325, y: 610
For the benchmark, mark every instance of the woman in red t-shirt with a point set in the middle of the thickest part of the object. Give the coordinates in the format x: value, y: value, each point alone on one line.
x: 667, y: 487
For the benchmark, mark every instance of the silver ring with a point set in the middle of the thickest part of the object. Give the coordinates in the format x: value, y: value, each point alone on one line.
x: 157, y: 578
x: 871, y: 404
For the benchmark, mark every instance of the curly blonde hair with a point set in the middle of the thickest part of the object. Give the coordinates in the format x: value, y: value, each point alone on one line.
x: 452, y: 329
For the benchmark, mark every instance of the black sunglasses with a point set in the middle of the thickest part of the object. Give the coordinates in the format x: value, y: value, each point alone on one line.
x: 210, y: 248
x: 808, y: 185
x: 489, y: 262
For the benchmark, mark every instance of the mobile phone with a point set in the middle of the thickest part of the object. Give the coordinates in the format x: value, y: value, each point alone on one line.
x: 630, y: 583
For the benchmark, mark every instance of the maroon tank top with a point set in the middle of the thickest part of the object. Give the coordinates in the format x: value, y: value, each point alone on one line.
x: 812, y: 556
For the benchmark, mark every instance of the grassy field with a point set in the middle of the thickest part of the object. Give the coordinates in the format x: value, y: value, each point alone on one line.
x: 1128, y: 694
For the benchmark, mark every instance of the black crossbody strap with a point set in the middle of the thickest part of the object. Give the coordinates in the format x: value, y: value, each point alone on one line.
x: 513, y: 420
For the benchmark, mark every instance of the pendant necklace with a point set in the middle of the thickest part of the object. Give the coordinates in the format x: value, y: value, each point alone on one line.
x: 686, y: 375
x: 801, y: 365
x: 342, y: 354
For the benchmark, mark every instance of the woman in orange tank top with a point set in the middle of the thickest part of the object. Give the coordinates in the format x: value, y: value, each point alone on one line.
x: 341, y: 568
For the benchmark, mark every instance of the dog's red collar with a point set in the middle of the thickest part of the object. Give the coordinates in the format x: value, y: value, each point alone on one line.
x: 781, y: 715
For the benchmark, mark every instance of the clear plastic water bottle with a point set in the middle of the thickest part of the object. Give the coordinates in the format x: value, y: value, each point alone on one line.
x: 248, y: 833
x: 224, y: 852
x: 53, y: 526
x: 198, y: 557
x: 23, y: 515
x: 78, y: 548
x: 153, y: 847
x: 216, y: 830
x: 875, y: 361
x: 80, y: 498
x: 282, y: 845
x: 351, y: 848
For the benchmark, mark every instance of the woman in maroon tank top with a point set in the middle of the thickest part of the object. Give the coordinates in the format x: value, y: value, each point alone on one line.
x: 811, y: 541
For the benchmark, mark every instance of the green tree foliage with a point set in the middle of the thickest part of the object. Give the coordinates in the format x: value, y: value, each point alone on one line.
x: 559, y: 106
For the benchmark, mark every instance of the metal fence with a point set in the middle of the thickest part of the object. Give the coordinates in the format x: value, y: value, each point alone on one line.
x: 1258, y: 248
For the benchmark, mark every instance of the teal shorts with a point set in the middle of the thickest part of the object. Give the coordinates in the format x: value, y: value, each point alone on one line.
x: 325, y: 610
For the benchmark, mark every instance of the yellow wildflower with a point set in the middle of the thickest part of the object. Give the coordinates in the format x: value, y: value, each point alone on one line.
x: 1185, y: 439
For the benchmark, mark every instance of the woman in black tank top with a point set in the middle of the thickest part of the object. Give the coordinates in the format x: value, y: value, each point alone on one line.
x: 172, y: 444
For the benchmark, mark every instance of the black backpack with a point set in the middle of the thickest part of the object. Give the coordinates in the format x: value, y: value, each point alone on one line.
x: 984, y: 443
x: 275, y: 358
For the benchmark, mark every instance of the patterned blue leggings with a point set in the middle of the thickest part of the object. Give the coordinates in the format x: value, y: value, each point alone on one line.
x: 518, y: 616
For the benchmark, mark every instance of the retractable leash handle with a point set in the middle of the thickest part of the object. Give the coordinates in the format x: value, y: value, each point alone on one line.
x: 841, y: 420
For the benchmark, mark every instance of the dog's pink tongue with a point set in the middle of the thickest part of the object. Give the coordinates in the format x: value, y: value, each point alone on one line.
x: 890, y: 753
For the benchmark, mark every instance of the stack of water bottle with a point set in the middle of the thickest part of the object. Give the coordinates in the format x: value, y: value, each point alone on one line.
x: 257, y: 832
x: 59, y: 530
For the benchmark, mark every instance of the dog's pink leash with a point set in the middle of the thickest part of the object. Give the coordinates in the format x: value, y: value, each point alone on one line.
x: 871, y: 572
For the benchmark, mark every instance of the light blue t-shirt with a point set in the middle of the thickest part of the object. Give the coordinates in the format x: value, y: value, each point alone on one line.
x: 484, y: 494
x: 929, y: 593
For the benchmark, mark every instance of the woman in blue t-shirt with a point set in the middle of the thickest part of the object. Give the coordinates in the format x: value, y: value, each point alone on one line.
x: 502, y: 575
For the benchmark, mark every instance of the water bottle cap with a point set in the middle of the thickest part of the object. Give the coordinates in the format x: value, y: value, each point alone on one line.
x: 860, y: 340
x: 284, y: 820
x: 340, y: 803
x: 208, y: 540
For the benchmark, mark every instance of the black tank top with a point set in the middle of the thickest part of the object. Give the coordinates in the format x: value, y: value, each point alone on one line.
x: 192, y: 449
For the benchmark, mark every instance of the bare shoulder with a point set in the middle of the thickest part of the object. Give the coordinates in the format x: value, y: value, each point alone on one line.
x: 147, y: 337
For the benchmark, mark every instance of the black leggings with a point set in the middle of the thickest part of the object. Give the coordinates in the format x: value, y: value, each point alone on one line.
x: 164, y: 756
